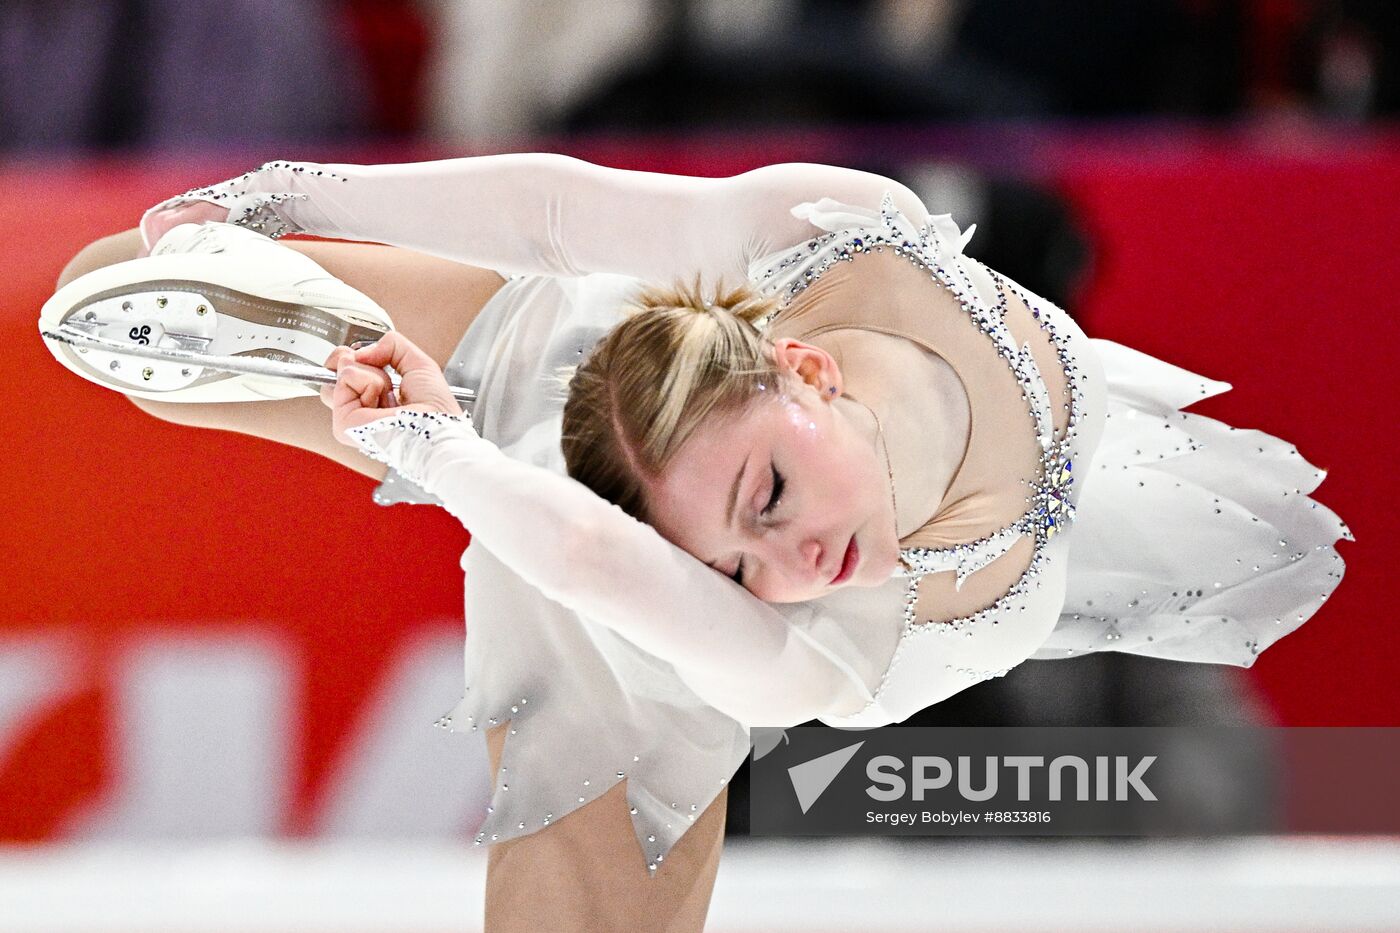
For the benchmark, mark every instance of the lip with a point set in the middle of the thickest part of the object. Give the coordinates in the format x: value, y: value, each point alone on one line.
x: 848, y: 563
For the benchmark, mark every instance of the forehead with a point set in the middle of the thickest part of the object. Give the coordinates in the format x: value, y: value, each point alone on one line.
x: 721, y: 441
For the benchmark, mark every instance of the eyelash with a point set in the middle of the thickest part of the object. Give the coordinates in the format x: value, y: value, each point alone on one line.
x: 778, y: 483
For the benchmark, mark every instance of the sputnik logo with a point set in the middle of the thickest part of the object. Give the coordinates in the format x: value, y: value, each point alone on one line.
x: 811, y: 778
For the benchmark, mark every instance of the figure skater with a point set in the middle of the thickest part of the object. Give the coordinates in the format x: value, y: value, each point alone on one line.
x: 844, y: 488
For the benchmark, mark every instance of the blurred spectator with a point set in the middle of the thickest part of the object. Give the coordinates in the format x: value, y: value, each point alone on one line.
x: 883, y: 60
x: 1345, y: 62
x: 175, y: 73
x: 531, y: 66
x: 509, y: 69
x: 161, y: 73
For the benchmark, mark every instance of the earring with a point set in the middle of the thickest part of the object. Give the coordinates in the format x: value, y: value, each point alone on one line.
x: 832, y: 390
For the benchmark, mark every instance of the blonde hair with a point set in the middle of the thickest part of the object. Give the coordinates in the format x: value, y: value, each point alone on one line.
x: 672, y: 362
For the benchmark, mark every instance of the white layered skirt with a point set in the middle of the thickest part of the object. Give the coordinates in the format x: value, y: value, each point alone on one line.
x: 1195, y: 540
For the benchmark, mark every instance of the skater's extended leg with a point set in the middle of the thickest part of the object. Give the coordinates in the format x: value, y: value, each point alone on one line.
x: 587, y: 872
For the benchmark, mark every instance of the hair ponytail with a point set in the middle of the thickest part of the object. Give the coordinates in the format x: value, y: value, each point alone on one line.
x: 677, y: 357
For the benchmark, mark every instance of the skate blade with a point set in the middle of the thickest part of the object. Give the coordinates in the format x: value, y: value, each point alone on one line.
x: 80, y: 335
x: 197, y: 316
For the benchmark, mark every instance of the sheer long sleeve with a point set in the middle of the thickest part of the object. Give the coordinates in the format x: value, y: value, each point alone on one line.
x: 548, y: 214
x: 739, y: 654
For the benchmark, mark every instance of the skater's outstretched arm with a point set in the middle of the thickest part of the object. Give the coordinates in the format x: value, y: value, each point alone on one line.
x: 737, y: 653
x: 540, y: 212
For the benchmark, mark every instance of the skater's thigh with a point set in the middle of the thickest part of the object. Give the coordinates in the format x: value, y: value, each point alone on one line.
x: 586, y: 871
x: 119, y: 247
x: 432, y: 301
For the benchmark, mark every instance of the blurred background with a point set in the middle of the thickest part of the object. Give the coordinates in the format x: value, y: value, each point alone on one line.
x: 214, y: 714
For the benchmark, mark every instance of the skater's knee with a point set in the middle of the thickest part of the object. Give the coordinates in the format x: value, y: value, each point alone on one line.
x: 119, y: 247
x: 228, y: 416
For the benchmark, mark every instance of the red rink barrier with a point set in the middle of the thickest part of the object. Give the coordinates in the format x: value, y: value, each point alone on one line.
x: 208, y: 633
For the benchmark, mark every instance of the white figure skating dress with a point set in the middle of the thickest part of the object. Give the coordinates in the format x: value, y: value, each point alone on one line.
x: 1134, y: 527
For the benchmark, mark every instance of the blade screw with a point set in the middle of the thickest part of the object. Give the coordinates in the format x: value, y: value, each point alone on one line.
x: 147, y: 373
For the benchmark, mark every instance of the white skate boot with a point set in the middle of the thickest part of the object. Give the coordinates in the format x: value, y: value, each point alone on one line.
x: 215, y: 290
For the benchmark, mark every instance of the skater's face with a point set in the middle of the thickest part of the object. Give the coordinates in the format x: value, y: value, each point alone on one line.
x: 774, y: 495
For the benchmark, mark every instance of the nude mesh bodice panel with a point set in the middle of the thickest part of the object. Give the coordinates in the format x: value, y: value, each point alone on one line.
x: 885, y: 293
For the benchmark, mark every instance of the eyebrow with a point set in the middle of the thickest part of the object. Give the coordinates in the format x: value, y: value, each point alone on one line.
x: 733, y: 498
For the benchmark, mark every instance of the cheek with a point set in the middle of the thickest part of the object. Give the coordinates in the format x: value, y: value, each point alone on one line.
x: 841, y: 477
x: 812, y: 452
x: 834, y: 472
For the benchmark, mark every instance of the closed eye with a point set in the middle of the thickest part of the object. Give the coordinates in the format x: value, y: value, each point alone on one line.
x: 778, y: 484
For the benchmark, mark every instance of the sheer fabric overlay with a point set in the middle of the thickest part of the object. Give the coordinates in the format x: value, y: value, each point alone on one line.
x: 1229, y: 553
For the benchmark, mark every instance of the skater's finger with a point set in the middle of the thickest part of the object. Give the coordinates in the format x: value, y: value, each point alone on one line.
x: 355, y: 398
x: 367, y: 382
x: 338, y: 356
x: 396, y: 350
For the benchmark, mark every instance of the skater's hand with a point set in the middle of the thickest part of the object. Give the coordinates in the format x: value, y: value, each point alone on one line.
x: 157, y: 223
x: 363, y: 392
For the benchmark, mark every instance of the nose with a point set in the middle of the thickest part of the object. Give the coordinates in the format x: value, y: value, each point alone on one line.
x: 797, y: 558
x: 804, y: 561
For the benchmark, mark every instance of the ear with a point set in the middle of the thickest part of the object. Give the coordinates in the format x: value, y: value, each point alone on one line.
x: 810, y: 365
